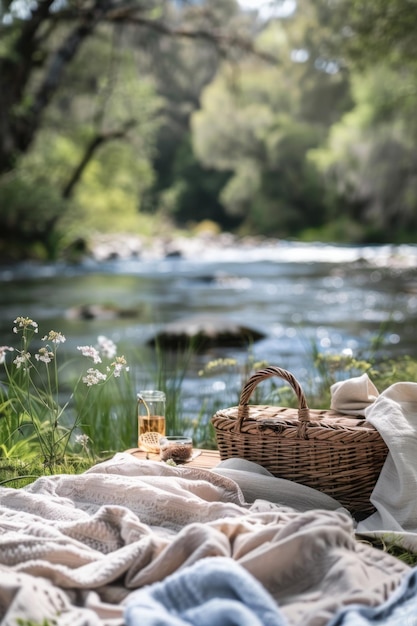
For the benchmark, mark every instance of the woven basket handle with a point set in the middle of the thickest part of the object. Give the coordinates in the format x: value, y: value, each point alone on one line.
x: 259, y: 376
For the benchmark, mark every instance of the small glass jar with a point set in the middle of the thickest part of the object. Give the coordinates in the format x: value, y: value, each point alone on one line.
x: 176, y: 448
x: 151, y: 419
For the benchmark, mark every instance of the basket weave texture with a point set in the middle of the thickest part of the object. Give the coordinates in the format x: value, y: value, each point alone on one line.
x: 337, y: 454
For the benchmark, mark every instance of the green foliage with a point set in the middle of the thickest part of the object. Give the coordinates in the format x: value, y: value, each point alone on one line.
x: 111, y: 208
x: 194, y: 192
x: 381, y: 30
x: 239, y: 109
x: 122, y: 115
x: 31, y: 214
x: 291, y: 193
x: 110, y: 424
x: 342, y: 229
x: 274, y: 189
x: 90, y: 162
x: 370, y: 156
x: 317, y: 141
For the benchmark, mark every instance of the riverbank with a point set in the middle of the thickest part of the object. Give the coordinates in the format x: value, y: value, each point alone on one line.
x: 227, y: 246
x: 105, y: 247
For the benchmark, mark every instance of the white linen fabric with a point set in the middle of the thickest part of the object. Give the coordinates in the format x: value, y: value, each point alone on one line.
x: 394, y: 414
x: 74, y: 548
x: 353, y: 396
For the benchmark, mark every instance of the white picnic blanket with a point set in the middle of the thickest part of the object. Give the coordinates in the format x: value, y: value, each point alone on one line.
x: 74, y: 549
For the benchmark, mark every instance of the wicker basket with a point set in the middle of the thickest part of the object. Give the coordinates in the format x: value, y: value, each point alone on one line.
x: 332, y: 452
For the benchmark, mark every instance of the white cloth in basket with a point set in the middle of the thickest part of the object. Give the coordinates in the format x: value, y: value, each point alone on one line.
x: 353, y: 396
x: 394, y: 414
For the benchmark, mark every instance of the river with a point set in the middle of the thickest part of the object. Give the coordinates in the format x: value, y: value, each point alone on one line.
x: 337, y: 298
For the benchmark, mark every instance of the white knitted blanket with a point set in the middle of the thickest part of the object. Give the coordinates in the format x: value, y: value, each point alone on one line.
x: 74, y: 548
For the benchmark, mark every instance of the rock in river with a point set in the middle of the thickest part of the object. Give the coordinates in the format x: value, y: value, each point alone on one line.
x: 202, y: 332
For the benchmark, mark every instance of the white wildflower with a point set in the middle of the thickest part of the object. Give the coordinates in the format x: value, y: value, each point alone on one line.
x: 54, y: 337
x: 24, y: 322
x: 119, y: 365
x: 90, y: 352
x: 22, y: 360
x: 107, y: 347
x: 82, y: 440
x: 3, y: 350
x: 93, y: 377
x: 44, y: 355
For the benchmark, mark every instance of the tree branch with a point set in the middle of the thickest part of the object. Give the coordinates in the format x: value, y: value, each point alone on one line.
x: 98, y: 140
x: 128, y: 13
x: 131, y: 14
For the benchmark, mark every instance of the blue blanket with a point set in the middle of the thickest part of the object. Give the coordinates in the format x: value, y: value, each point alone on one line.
x: 217, y: 591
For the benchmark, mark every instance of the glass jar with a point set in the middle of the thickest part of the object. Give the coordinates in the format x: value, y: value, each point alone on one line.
x: 151, y: 419
x: 176, y: 448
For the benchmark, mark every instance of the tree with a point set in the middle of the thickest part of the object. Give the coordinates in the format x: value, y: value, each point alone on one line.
x: 40, y: 41
x: 182, y: 189
x: 79, y: 101
x: 370, y: 158
x: 99, y: 103
x: 259, y: 122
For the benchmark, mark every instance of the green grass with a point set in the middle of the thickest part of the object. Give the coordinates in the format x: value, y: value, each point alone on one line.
x: 391, y: 545
x: 17, y: 473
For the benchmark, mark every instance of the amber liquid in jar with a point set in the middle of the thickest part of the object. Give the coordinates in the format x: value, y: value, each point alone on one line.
x: 152, y: 424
